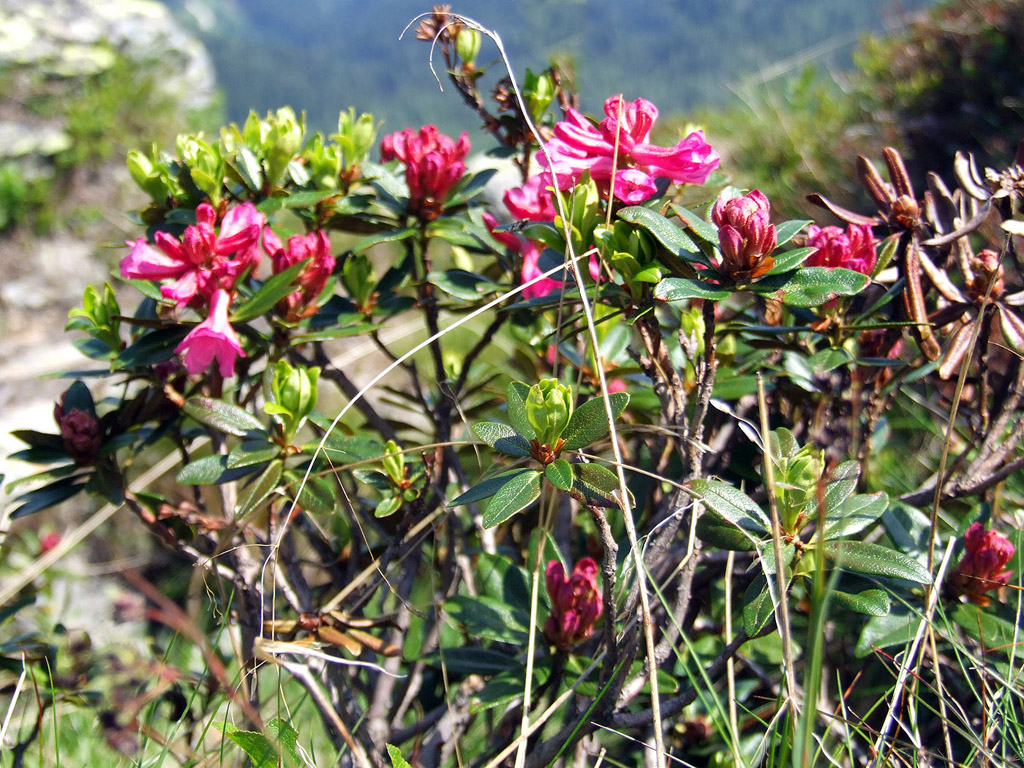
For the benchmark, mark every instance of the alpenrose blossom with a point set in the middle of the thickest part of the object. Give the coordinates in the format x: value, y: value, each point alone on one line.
x: 579, y: 146
x: 745, y: 235
x: 199, y: 263
x: 851, y: 249
x: 213, y: 339
x: 311, y: 280
x: 575, y: 603
x: 981, y: 569
x: 533, y: 200
x: 433, y: 165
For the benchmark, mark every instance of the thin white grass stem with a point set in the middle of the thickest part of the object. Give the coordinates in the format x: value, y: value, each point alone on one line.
x: 730, y: 664
x: 782, y: 601
x: 14, y: 699
x: 911, y: 657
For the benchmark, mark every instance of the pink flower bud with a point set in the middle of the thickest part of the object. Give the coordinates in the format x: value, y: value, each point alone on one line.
x: 433, y: 165
x: 981, y: 569
x: 853, y: 249
x: 746, y: 235
x: 576, y: 603
x: 80, y: 432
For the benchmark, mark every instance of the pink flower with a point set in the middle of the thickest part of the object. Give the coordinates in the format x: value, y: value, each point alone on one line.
x: 433, y: 165
x: 853, y: 249
x: 530, y: 255
x: 578, y: 146
x: 311, y: 280
x: 214, y: 338
x: 575, y: 603
x: 981, y: 569
x: 533, y: 200
x: 198, y: 263
x: 745, y: 235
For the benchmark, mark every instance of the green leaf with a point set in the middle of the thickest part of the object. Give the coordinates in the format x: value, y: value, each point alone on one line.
x: 388, y: 506
x: 810, y: 286
x: 317, y: 494
x: 516, y: 404
x: 908, y: 527
x: 283, y: 732
x: 665, y: 232
x: 151, y: 348
x: 589, y: 422
x: 51, y: 495
x: 473, y: 661
x: 876, y: 560
x: 712, y: 529
x: 696, y: 224
x: 463, y: 285
x: 514, y: 496
x: 397, y: 761
x: 210, y: 470
x: 257, y: 746
x: 731, y: 504
x: 597, y: 484
x: 249, y: 169
x: 841, y: 484
x: 263, y: 486
x: 41, y: 477
x: 486, y: 488
x: 790, y: 260
x: 490, y: 618
x: 758, y: 608
x: 787, y: 230
x: 895, y: 628
x: 855, y: 514
x: 224, y: 417
x: 252, y: 452
x: 391, y: 236
x: 559, y: 474
x: 502, y: 437
x: 872, y: 602
x: 993, y: 632
x: 681, y: 288
x: 271, y: 292
x: 452, y: 230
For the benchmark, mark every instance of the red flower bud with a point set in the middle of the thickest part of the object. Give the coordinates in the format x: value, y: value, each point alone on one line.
x: 981, y: 569
x: 80, y: 432
x: 746, y: 235
x: 575, y: 603
x: 433, y: 165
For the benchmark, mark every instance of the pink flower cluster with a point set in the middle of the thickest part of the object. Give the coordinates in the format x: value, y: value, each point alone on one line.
x: 433, y: 165
x: 205, y: 265
x: 579, y: 146
x: 745, y: 234
x: 575, y: 603
x: 853, y: 249
x: 982, y: 567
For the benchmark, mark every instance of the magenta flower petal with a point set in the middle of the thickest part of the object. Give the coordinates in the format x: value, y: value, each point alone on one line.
x: 147, y: 263
x: 213, y: 339
x: 633, y: 186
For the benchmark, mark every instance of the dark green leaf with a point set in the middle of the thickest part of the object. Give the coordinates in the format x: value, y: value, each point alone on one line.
x: 473, y: 661
x: 810, y: 286
x: 787, y: 230
x: 222, y: 416
x: 490, y: 618
x: 682, y: 288
x: 598, y: 484
x: 151, y: 348
x: 993, y: 632
x: 387, y: 507
x: 41, y: 477
x: 559, y: 474
x: 391, y: 236
x: 501, y: 437
x: 790, y: 260
x: 252, y: 452
x: 665, y: 232
x: 589, y: 422
x: 262, y: 487
x: 758, y: 609
x: 696, y: 224
x: 895, y: 628
x: 841, y: 484
x: 39, y: 439
x: 872, y: 602
x: 856, y: 514
x: 467, y: 286
x: 256, y: 746
x: 516, y: 404
x: 732, y: 505
x: 316, y: 494
x: 514, y: 496
x: 453, y: 230
x: 487, y: 488
x: 285, y: 735
x: 210, y: 470
x: 715, y: 531
x: 43, y: 498
x: 271, y: 292
x: 876, y: 560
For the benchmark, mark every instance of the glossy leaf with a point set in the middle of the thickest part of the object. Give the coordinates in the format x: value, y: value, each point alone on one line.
x: 810, y: 286
x: 487, y: 488
x: 514, y: 496
x: 895, y: 628
x: 876, y: 560
x: 665, y: 232
x: 261, y: 488
x: 872, y: 602
x: 758, y: 608
x: 488, y: 617
x: 223, y: 417
x: 841, y: 484
x: 272, y: 291
x: 473, y: 661
x: 597, y: 484
x: 151, y: 348
x: 855, y: 514
x: 682, y: 288
x: 210, y: 470
x: 790, y: 260
x: 51, y: 495
x: 559, y: 474
x: 502, y: 437
x: 391, y: 236
x: 464, y: 285
x: 696, y: 224
x: 787, y: 230
x: 732, y: 505
x: 252, y: 452
x: 711, y: 528
x: 589, y: 422
x: 516, y: 404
